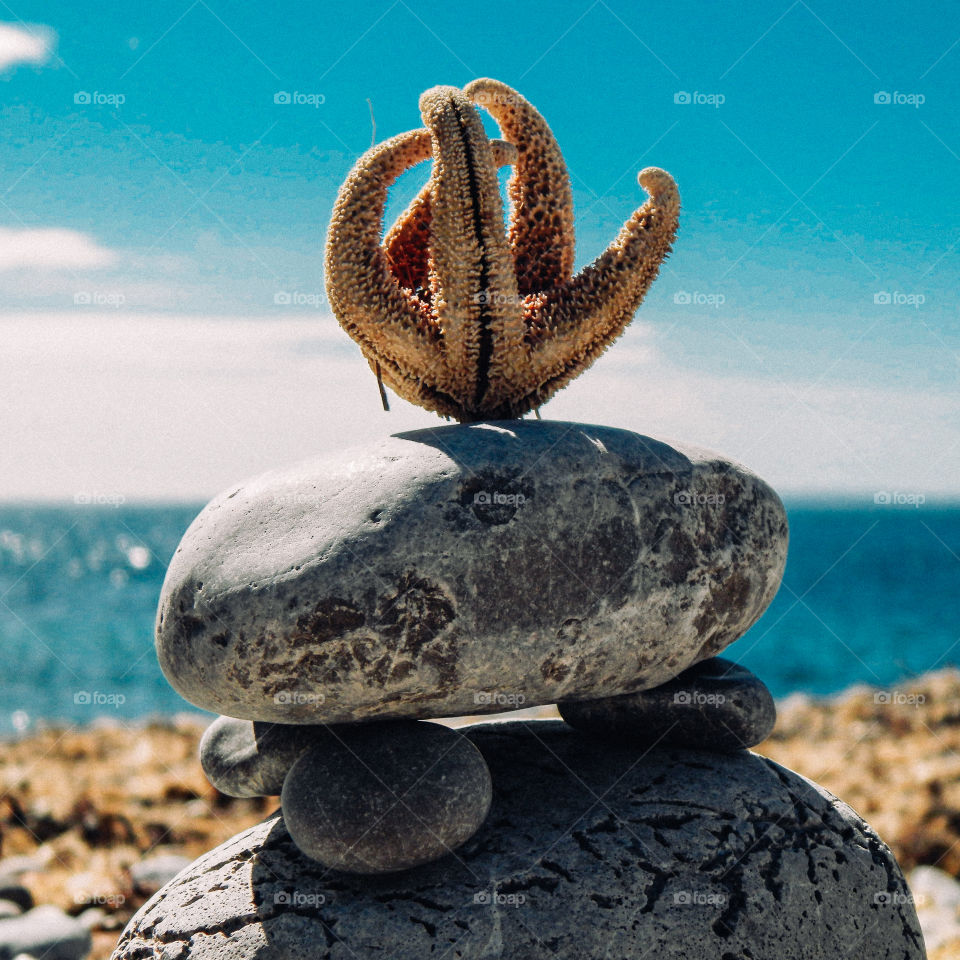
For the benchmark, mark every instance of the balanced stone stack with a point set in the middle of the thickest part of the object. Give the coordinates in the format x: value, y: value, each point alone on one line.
x: 332, y: 611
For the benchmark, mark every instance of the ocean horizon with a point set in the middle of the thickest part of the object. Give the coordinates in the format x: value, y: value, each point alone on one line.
x: 870, y: 596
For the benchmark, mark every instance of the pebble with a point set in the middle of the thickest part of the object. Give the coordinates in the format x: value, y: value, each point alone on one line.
x: 444, y: 571
x: 386, y: 796
x: 587, y: 852
x: 713, y: 705
x: 46, y: 932
x: 242, y: 758
x: 148, y: 876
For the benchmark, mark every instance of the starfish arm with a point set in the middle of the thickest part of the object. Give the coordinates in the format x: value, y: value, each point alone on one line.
x: 391, y: 325
x: 407, y: 243
x: 570, y: 327
x: 541, y: 202
x: 472, y: 280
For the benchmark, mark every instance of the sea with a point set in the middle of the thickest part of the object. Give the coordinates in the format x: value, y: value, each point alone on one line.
x: 871, y: 595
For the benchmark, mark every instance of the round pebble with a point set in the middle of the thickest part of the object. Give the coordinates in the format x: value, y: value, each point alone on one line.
x: 714, y: 705
x: 251, y: 759
x: 382, y: 797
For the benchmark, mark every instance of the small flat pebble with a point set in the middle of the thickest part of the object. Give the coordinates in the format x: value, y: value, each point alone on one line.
x: 242, y: 758
x: 382, y: 797
x: 713, y: 705
x: 46, y: 932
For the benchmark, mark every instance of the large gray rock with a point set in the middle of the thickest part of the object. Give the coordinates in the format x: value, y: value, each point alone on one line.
x: 441, y: 570
x: 586, y: 854
x: 714, y: 705
x: 381, y: 797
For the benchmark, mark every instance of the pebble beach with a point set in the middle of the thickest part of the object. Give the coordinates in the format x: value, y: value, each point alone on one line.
x: 92, y: 818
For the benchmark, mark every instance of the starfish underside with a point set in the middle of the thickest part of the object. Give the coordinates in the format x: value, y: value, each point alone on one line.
x: 454, y: 311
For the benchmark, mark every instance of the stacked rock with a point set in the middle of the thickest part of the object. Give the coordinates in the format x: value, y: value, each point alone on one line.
x: 330, y: 611
x: 327, y: 608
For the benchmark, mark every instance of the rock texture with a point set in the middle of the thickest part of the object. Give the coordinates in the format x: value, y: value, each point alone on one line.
x: 585, y: 854
x: 381, y: 797
x: 713, y: 705
x: 546, y: 560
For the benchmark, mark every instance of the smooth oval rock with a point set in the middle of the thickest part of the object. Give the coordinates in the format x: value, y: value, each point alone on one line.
x: 244, y: 758
x: 713, y: 705
x: 586, y: 853
x: 45, y: 932
x: 386, y: 796
x: 441, y: 570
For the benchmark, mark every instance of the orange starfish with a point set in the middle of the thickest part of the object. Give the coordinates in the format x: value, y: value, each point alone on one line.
x: 454, y: 312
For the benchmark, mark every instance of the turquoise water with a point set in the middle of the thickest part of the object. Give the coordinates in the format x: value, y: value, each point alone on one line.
x: 871, y: 594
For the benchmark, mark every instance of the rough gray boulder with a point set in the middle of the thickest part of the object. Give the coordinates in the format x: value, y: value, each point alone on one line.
x: 443, y: 571
x: 586, y: 854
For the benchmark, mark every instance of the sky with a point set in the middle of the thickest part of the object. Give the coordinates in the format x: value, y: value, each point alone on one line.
x: 163, y: 210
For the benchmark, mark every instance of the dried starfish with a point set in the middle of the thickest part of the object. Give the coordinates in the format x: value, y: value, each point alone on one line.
x: 454, y: 312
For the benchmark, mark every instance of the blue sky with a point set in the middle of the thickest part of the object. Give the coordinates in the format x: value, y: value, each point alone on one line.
x: 154, y: 200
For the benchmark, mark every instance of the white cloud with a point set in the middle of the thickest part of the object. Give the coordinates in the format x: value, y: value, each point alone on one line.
x: 24, y: 44
x: 51, y: 248
x: 173, y: 407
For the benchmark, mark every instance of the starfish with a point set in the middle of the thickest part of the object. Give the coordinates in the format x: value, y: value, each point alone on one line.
x: 454, y: 310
